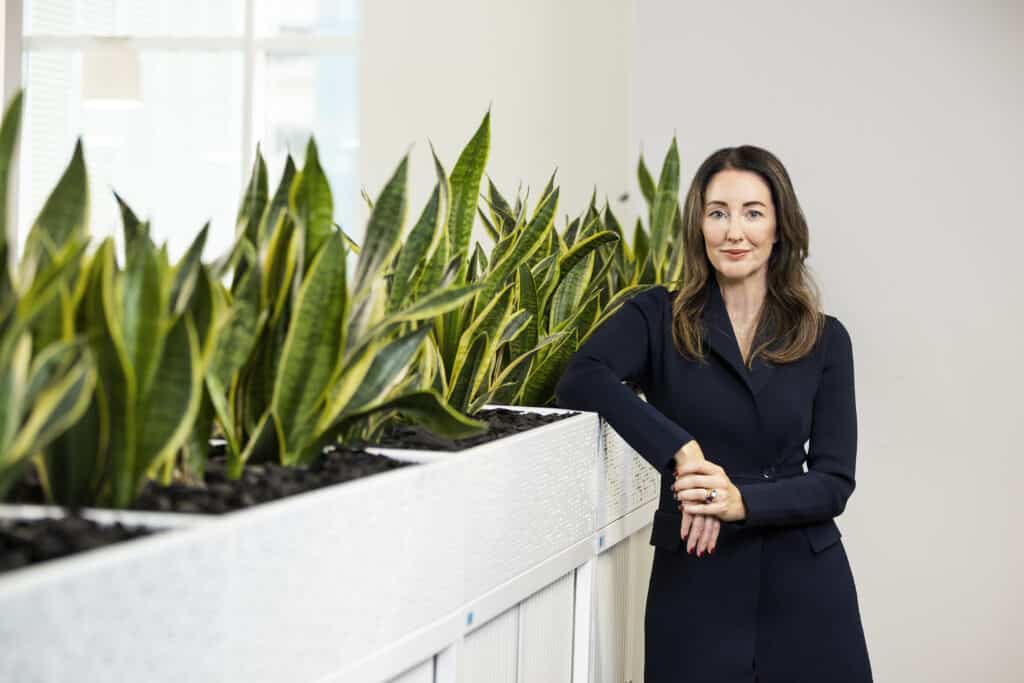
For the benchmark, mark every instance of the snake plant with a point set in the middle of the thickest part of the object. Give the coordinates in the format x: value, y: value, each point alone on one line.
x: 306, y: 356
x: 44, y: 385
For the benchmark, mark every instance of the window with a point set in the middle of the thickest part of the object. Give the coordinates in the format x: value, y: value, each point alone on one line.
x: 215, y: 77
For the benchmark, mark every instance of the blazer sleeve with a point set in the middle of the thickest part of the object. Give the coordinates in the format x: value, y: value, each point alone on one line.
x: 820, y: 493
x: 620, y: 349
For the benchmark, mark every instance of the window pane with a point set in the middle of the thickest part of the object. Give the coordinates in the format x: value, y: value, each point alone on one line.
x: 176, y: 158
x: 304, y: 17
x: 135, y: 17
x: 297, y: 95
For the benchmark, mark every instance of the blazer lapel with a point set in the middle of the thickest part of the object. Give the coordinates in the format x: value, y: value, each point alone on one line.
x: 721, y: 338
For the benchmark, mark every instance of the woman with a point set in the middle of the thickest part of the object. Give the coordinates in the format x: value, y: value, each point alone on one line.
x: 762, y: 590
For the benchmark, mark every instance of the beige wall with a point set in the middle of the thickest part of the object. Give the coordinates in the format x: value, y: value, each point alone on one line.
x: 555, y: 73
x: 901, y: 127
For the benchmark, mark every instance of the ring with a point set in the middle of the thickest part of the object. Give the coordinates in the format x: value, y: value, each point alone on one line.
x: 712, y: 494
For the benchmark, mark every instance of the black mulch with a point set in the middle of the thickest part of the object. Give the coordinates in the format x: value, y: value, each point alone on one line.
x: 261, y: 483
x: 25, y: 542
x: 501, y: 422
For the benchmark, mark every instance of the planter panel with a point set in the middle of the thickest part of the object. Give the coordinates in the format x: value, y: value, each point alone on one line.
x: 626, y: 471
x: 545, y: 633
x: 526, y: 498
x: 424, y: 673
x: 490, y: 652
x: 611, y: 614
x: 641, y: 556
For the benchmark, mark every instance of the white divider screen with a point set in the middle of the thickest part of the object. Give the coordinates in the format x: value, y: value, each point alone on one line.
x: 490, y: 652
x: 424, y: 673
x: 545, y: 633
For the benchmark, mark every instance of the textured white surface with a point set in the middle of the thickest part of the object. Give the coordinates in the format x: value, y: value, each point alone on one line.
x: 545, y: 633
x: 526, y: 497
x: 627, y: 472
x: 307, y: 588
x: 314, y: 576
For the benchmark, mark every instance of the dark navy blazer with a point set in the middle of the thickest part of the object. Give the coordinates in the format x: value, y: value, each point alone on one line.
x: 776, y: 599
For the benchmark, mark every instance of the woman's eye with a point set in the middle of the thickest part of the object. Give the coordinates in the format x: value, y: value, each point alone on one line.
x: 755, y: 212
x: 714, y: 212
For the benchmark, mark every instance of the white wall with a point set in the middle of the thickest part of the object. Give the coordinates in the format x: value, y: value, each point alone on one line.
x: 556, y: 75
x: 900, y: 126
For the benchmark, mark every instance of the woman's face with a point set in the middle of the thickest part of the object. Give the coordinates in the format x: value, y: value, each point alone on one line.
x: 738, y: 216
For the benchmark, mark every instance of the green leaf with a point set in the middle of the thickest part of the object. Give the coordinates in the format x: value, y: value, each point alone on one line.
x: 569, y: 292
x: 513, y: 327
x: 489, y: 228
x: 58, y: 406
x: 432, y: 305
x: 526, y: 291
x: 279, y: 267
x: 187, y: 271
x: 647, y: 187
x: 613, y: 305
x: 348, y: 378
x: 264, y: 445
x: 383, y: 230
x: 528, y: 241
x: 278, y: 205
x: 312, y: 346
x: 583, y: 248
x: 539, y: 388
x: 642, y: 250
x: 664, y: 209
x: 465, y: 181
x: 134, y: 229
x: 8, y: 140
x: 422, y: 240
x: 254, y: 201
x: 429, y: 411
x: 487, y: 321
x: 311, y: 204
x: 501, y: 213
x: 141, y: 317
x: 389, y: 366
x: 14, y: 381
x: 169, y: 410
x: 64, y: 216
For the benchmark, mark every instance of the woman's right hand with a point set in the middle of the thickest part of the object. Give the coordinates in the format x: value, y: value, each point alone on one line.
x: 699, y: 531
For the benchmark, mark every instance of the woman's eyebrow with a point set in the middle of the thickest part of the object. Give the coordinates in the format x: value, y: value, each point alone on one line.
x: 744, y: 203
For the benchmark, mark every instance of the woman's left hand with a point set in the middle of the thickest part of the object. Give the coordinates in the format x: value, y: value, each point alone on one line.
x: 695, y: 479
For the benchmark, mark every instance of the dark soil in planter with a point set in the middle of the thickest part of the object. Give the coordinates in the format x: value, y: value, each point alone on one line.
x: 259, y: 483
x: 501, y: 422
x: 26, y: 542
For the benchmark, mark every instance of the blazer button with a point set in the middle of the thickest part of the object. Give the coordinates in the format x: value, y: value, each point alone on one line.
x: 768, y: 471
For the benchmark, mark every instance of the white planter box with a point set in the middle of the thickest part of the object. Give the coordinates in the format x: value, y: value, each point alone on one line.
x: 341, y: 579
x: 526, y: 496
x: 153, y: 520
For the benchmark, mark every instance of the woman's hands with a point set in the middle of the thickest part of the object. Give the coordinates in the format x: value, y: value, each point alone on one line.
x: 702, y: 521
x: 693, y: 481
x: 702, y: 529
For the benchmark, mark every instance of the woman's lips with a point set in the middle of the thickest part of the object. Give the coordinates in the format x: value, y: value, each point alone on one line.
x: 736, y: 254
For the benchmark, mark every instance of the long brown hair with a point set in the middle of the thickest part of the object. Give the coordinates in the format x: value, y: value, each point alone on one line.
x: 790, y: 321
